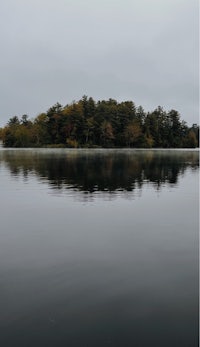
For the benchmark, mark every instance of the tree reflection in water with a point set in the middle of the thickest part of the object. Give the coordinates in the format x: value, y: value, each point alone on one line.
x: 90, y: 171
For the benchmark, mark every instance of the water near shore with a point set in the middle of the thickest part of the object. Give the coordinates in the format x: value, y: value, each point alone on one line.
x: 99, y: 248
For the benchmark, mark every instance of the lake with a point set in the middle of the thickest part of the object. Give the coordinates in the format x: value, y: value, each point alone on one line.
x: 99, y: 248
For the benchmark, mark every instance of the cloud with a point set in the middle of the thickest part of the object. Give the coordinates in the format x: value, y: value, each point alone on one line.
x: 145, y: 50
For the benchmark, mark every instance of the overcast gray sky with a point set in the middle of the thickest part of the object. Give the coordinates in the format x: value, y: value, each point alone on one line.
x: 59, y: 50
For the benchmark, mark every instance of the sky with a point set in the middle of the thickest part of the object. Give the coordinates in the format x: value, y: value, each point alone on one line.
x: 59, y: 50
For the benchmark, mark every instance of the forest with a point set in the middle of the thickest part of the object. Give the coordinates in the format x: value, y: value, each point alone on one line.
x: 105, y: 123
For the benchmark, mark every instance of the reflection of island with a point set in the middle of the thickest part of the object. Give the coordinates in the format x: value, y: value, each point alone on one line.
x: 101, y: 170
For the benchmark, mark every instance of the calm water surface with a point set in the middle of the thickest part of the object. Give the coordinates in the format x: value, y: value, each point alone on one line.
x: 99, y: 248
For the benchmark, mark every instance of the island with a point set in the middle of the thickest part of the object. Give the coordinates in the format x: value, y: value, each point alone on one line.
x: 105, y: 123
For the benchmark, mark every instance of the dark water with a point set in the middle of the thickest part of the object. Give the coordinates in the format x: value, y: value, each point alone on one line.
x: 99, y: 248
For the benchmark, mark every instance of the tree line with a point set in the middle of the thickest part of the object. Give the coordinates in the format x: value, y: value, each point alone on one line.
x: 105, y: 123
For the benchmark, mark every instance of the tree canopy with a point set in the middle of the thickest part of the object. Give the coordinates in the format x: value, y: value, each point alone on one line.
x: 105, y: 123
